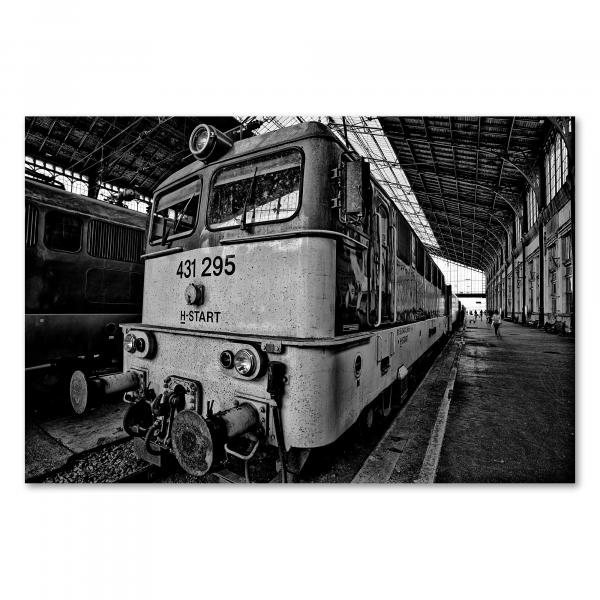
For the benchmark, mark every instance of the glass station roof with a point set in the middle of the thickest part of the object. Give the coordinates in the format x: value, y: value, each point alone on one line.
x: 366, y: 137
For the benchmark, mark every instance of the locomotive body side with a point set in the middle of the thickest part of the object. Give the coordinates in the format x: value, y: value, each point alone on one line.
x: 347, y: 312
x: 83, y: 276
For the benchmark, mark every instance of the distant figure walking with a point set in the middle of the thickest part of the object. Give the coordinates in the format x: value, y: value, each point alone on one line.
x: 496, y: 320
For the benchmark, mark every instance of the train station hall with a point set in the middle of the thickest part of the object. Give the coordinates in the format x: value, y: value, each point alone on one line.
x: 309, y: 299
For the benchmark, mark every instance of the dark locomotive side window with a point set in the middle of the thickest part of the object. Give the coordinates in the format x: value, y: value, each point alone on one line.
x: 420, y: 257
x: 62, y: 231
x: 403, y: 240
x: 115, y: 242
x: 258, y: 191
x: 176, y: 212
x: 31, y: 222
x: 413, y: 250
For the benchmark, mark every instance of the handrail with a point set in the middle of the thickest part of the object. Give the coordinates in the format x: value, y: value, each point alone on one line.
x: 164, y: 252
x: 395, y: 242
x: 379, y: 293
x: 295, y: 233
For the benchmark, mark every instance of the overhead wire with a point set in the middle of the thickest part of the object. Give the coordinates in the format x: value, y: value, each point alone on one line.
x: 121, y: 132
x: 126, y: 147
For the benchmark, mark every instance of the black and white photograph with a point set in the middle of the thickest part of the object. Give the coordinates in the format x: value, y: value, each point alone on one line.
x: 291, y: 307
x: 314, y: 299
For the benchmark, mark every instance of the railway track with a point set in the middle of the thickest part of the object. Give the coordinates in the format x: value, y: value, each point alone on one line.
x: 108, y: 463
x: 147, y: 474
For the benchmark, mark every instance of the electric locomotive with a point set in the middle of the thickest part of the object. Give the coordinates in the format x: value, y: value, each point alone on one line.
x: 83, y: 276
x: 285, y: 296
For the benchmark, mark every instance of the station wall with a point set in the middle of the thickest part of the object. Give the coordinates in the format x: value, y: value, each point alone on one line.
x: 534, y: 280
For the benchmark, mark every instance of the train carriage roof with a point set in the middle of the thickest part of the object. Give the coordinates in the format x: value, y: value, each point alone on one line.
x: 55, y: 197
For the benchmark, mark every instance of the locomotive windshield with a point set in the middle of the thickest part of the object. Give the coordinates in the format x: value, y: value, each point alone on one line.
x: 175, y: 212
x: 258, y: 191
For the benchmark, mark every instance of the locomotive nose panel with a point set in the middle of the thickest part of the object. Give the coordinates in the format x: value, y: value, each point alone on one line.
x: 279, y: 287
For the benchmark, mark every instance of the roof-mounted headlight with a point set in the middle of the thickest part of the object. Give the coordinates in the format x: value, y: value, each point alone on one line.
x: 207, y: 142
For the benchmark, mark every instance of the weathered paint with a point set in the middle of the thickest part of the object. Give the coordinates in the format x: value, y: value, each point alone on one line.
x: 278, y: 288
x: 322, y: 397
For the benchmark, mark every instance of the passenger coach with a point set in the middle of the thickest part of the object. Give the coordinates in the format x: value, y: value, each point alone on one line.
x: 284, y: 296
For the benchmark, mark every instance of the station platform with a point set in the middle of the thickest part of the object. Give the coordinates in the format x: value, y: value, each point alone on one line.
x: 490, y: 410
x: 512, y: 415
x: 50, y: 443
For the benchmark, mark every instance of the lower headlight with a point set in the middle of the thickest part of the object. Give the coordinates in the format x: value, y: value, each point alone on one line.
x: 129, y: 343
x: 245, y: 363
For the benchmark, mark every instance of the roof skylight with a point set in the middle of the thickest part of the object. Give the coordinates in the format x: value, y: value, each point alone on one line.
x: 367, y: 138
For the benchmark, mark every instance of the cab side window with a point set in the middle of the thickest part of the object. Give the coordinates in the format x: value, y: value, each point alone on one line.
x: 62, y: 231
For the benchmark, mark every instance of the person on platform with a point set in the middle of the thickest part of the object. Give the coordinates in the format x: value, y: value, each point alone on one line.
x: 496, y: 321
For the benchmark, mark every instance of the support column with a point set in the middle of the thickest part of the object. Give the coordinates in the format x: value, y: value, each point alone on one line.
x: 541, y: 203
x: 541, y: 263
x: 571, y: 179
x: 524, y: 291
x: 506, y: 279
x: 93, y: 183
x: 512, y: 291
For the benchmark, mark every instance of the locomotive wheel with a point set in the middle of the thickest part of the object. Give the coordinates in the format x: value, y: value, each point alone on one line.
x: 138, y: 415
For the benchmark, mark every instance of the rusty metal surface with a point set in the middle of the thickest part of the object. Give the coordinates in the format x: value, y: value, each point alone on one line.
x: 192, y: 442
x: 239, y: 420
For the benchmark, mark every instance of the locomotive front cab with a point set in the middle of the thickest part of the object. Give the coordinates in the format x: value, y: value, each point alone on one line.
x: 239, y: 262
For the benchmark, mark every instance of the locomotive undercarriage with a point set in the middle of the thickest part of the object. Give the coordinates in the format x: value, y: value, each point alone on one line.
x: 171, y: 424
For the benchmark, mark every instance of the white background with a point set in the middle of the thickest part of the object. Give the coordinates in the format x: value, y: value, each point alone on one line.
x: 370, y: 58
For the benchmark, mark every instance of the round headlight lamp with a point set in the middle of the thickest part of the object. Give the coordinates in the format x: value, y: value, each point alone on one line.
x: 200, y: 140
x: 129, y: 343
x: 244, y: 362
x: 207, y: 141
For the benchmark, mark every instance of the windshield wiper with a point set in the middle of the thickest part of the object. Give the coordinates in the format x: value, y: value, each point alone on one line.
x: 182, y: 213
x: 243, y: 225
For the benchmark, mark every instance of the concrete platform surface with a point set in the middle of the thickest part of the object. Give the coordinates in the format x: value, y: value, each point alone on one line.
x: 399, y: 455
x: 51, y: 442
x: 512, y: 415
